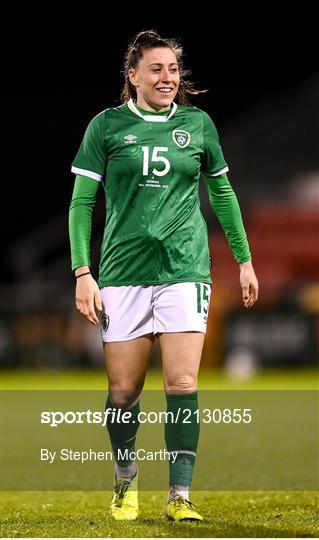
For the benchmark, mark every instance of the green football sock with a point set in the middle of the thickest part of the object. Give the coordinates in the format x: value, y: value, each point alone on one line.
x: 182, y: 437
x: 123, y: 434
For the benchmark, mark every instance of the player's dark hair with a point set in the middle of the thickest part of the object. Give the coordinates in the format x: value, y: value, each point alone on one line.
x: 151, y: 40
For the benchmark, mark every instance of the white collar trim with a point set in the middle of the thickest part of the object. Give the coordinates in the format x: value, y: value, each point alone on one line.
x: 151, y: 117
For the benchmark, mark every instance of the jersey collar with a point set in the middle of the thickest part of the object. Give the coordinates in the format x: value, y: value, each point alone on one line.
x: 151, y: 117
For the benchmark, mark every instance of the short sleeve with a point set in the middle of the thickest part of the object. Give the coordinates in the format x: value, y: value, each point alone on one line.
x: 213, y: 161
x: 91, y: 158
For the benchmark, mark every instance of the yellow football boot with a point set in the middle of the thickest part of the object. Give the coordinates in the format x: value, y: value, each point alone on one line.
x: 180, y: 509
x: 124, y: 504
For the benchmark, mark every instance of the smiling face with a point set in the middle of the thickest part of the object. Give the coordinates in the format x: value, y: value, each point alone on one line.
x: 156, y: 79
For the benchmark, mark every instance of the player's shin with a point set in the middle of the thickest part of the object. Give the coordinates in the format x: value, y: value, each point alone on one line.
x: 122, y: 436
x: 181, y: 440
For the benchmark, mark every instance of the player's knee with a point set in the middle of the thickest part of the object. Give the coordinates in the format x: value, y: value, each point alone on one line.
x: 181, y: 384
x: 124, y: 398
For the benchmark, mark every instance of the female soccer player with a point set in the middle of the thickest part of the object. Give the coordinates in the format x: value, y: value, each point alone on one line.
x: 154, y: 275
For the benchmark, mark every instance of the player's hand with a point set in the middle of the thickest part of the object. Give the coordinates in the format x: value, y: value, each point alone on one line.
x: 88, y: 298
x: 249, y: 284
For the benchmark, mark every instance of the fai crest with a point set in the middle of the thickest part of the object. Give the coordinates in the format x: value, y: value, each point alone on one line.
x: 105, y: 322
x: 181, y: 138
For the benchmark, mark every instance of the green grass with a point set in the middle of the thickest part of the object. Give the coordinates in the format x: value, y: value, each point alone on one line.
x: 227, y: 514
x: 208, y: 379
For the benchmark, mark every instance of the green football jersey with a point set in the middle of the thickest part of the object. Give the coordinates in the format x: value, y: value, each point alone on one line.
x: 150, y: 165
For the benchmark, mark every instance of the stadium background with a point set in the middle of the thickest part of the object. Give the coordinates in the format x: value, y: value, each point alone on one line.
x: 262, y: 73
x: 265, y: 105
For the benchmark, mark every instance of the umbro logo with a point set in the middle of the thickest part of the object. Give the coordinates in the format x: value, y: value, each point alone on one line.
x: 129, y: 139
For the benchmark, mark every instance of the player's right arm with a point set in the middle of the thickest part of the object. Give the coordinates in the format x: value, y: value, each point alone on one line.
x: 87, y: 294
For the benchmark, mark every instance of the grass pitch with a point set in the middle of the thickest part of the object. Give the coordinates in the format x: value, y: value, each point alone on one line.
x: 226, y: 514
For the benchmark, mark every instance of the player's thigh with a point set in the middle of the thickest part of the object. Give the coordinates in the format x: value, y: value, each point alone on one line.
x: 126, y: 364
x: 181, y: 356
x: 180, y: 318
x: 127, y: 312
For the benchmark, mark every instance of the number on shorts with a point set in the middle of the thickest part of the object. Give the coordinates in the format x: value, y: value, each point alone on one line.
x: 202, y: 296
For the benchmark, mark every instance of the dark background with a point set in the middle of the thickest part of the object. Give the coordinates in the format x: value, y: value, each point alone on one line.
x: 262, y: 72
x: 68, y: 70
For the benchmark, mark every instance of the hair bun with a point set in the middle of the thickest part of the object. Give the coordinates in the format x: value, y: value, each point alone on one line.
x: 143, y: 37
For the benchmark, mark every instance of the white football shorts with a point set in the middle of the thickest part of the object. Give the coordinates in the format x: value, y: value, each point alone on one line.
x: 135, y: 310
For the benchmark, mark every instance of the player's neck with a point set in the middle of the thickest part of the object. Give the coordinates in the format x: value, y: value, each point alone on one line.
x: 146, y: 108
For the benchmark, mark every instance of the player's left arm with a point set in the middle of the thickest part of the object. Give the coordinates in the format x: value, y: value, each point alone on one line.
x: 225, y: 205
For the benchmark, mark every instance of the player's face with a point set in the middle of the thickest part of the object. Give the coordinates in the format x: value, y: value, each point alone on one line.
x: 156, y: 79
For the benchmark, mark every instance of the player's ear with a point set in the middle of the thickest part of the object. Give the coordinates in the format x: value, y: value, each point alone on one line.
x: 132, y: 77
